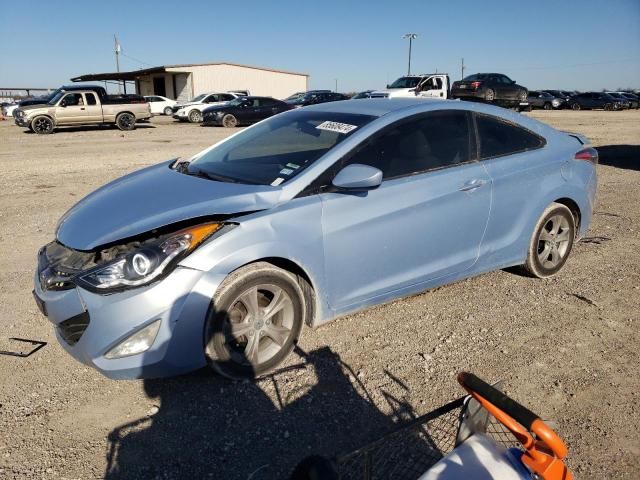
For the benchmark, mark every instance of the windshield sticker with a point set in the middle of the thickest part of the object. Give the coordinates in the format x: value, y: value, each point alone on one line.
x: 277, y: 182
x: 336, y: 127
x: 286, y: 171
x: 293, y: 165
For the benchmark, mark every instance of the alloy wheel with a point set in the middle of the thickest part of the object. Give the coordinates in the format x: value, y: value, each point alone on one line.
x: 553, y: 241
x: 260, y: 321
x: 42, y: 125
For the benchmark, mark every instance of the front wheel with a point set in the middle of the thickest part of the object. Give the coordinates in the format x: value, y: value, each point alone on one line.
x: 551, y: 242
x: 229, y: 121
x: 168, y: 111
x: 195, y: 116
x: 255, y: 320
x: 575, y: 106
x: 42, y: 125
x: 547, y: 106
x: 126, y: 121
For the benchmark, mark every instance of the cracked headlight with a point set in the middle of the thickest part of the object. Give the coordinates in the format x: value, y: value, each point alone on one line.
x: 146, y: 263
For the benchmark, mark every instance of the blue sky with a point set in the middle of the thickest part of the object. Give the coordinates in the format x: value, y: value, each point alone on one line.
x: 587, y: 44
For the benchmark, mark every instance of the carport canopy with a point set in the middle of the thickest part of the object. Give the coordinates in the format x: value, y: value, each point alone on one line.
x: 118, y: 76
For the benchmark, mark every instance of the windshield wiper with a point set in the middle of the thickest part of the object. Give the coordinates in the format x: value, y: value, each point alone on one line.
x: 211, y: 176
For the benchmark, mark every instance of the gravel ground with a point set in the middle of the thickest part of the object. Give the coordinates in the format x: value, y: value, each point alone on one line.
x: 566, y: 347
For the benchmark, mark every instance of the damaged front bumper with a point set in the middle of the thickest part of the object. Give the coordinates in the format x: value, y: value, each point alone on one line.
x: 89, y: 325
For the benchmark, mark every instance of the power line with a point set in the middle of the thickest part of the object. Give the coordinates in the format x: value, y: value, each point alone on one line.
x: 136, y: 60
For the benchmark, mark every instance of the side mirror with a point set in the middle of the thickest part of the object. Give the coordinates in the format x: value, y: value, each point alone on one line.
x: 388, y: 85
x: 358, y: 178
x: 513, y: 82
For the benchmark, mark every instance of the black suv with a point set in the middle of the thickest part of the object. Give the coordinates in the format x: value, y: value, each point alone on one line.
x: 593, y: 100
x: 489, y: 87
x: 312, y: 98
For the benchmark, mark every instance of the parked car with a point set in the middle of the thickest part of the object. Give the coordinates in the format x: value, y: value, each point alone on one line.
x: 425, y: 85
x: 243, y: 111
x: 626, y: 103
x: 8, y: 110
x: 301, y: 94
x: 540, y: 99
x: 562, y: 96
x: 370, y: 94
x: 489, y: 87
x: 313, y: 98
x: 633, y: 98
x: 160, y: 105
x: 192, y: 111
x: 309, y: 215
x: 595, y: 100
x: 83, y: 107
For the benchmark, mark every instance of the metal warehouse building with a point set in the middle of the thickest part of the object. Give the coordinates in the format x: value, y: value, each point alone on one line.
x: 183, y: 82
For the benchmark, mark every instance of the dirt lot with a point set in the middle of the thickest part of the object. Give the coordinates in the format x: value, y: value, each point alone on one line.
x: 567, y: 347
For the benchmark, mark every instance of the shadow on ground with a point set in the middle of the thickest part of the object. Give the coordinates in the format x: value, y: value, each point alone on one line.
x: 209, y: 427
x: 620, y: 156
x: 89, y: 128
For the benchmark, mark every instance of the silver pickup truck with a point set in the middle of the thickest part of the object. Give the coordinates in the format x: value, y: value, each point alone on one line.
x: 83, y: 107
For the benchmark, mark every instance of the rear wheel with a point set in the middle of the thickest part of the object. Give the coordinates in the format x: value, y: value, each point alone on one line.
x: 229, y: 121
x: 608, y: 107
x: 547, y: 106
x: 523, y: 95
x: 551, y: 242
x: 168, y: 111
x: 575, y: 106
x: 489, y: 95
x: 126, y: 121
x: 255, y: 320
x: 42, y: 125
x: 195, y: 116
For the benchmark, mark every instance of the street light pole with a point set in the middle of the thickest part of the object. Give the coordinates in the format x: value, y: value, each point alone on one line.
x: 411, y: 37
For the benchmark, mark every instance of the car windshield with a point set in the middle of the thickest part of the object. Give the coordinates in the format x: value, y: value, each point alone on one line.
x: 57, y: 95
x: 406, y: 82
x: 199, y: 97
x: 294, y: 96
x: 366, y: 94
x: 474, y: 77
x: 277, y: 149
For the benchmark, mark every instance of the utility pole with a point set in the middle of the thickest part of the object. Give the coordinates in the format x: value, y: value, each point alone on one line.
x: 411, y: 37
x: 336, y: 86
x: 117, y: 52
x: 462, y: 69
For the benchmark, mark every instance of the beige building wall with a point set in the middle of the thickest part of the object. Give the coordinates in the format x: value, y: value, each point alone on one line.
x: 224, y: 77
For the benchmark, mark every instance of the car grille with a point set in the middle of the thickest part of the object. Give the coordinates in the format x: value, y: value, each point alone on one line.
x: 71, y: 330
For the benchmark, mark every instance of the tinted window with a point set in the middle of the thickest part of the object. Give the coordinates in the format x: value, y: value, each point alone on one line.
x: 91, y: 99
x: 436, y: 140
x: 211, y: 99
x: 499, y: 138
x: 72, y: 99
x: 268, y: 102
x: 277, y: 149
x: 225, y: 97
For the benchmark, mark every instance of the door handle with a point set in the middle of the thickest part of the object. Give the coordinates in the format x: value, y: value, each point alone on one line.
x: 471, y: 185
x: 81, y: 108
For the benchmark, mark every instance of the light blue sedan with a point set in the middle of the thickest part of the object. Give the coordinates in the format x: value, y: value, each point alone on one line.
x: 309, y: 215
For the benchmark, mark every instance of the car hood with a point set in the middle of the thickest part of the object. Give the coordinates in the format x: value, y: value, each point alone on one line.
x: 151, y: 198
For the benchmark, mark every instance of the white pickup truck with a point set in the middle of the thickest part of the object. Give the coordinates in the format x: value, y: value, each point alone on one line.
x: 426, y: 85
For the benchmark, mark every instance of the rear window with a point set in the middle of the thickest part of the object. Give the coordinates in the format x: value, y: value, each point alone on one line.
x: 499, y: 138
x: 277, y: 149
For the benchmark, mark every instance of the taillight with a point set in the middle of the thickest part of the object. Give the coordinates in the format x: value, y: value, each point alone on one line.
x: 588, y: 154
x: 475, y: 85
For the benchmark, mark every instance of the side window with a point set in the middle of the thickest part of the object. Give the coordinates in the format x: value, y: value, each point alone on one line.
x: 499, y: 138
x: 225, y: 97
x: 91, y: 98
x: 435, y: 140
x: 72, y: 99
x: 211, y: 99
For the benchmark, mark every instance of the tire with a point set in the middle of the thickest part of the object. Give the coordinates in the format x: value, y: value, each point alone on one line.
x: 229, y: 121
x: 168, y: 111
x: 547, y: 106
x: 195, y: 116
x: 126, y: 121
x: 42, y: 125
x: 523, y: 95
x: 241, y: 338
x: 608, y: 107
x: 489, y: 95
x: 575, y: 106
x: 551, y: 242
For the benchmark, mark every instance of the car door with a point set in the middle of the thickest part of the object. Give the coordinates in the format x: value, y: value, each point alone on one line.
x: 93, y: 108
x: 513, y: 158
x: 508, y: 88
x: 425, y: 221
x: 433, y: 86
x: 71, y: 109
